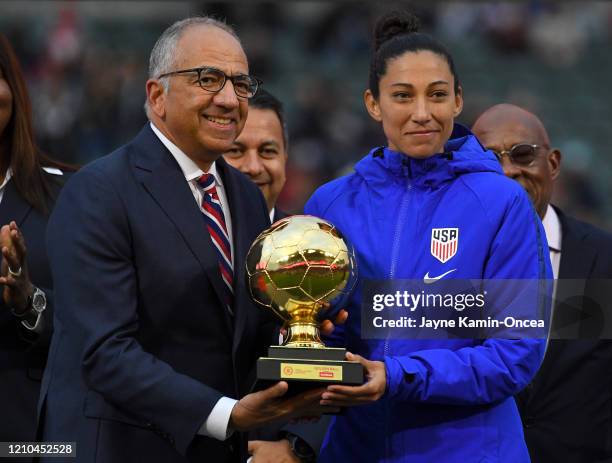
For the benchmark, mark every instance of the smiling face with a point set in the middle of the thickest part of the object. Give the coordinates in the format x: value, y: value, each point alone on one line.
x: 260, y: 153
x: 202, y: 124
x: 504, y: 126
x: 417, y: 104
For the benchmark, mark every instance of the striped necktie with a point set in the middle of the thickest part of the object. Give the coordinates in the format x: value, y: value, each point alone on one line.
x: 215, y: 222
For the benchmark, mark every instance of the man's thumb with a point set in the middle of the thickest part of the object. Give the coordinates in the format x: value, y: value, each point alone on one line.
x: 278, y: 390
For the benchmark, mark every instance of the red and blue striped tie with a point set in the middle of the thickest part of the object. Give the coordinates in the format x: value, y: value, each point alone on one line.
x: 215, y: 222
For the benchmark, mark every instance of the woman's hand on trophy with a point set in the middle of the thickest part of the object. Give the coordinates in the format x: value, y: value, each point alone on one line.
x: 268, y: 406
x: 327, y: 326
x: 372, y: 390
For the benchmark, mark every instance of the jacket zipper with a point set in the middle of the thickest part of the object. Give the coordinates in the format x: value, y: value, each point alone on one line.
x: 397, y: 235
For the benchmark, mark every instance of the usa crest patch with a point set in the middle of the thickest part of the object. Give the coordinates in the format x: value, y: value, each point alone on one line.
x: 444, y: 243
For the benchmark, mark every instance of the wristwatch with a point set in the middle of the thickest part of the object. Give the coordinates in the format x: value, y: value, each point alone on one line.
x: 37, y: 303
x: 300, y: 448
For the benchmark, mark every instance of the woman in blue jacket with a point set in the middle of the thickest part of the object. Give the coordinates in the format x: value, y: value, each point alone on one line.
x: 429, y: 400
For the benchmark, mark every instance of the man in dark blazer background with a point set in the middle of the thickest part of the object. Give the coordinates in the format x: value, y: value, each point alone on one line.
x: 154, y: 330
x: 261, y: 150
x: 567, y: 408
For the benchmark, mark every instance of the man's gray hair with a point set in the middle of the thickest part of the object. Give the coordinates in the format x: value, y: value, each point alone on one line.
x: 163, y: 54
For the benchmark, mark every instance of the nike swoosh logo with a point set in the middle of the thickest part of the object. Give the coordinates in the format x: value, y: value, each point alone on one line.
x: 429, y: 280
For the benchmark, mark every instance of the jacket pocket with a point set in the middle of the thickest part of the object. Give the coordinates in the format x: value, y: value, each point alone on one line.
x: 96, y: 407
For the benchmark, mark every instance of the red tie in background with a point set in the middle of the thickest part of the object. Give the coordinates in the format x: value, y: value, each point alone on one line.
x: 215, y: 222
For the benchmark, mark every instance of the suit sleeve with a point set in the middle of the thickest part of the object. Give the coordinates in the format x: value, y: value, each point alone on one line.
x: 497, y: 368
x: 96, y: 293
x: 311, y: 433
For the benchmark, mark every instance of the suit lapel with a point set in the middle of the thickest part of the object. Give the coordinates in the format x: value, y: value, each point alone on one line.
x: 241, y: 247
x: 576, y: 262
x: 162, y: 177
x: 13, y: 206
x: 576, y: 257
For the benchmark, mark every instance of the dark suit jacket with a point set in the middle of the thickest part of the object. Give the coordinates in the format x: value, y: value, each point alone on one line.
x: 566, y: 410
x: 23, y: 354
x: 143, y: 347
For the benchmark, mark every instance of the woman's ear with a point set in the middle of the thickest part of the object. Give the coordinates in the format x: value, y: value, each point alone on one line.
x: 458, y: 101
x: 372, y: 106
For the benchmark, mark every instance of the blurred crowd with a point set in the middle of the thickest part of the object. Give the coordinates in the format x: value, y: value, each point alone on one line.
x: 86, y: 64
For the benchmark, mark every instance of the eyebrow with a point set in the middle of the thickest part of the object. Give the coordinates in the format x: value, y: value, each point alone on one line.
x: 406, y: 84
x: 270, y: 142
x: 264, y: 143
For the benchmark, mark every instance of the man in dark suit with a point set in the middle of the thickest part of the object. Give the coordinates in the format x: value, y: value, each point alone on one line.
x: 154, y: 329
x: 566, y: 410
x: 260, y: 151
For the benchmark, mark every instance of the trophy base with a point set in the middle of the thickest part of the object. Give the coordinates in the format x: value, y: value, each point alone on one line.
x: 307, y: 368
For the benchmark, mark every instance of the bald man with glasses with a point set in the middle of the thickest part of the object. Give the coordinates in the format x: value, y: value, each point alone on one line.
x: 567, y: 409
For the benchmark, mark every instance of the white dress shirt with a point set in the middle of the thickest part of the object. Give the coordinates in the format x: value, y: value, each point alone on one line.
x: 216, y: 424
x: 272, y: 215
x: 552, y: 227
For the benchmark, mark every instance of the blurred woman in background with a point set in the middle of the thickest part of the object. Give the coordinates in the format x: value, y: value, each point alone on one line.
x: 29, y: 184
x: 430, y: 400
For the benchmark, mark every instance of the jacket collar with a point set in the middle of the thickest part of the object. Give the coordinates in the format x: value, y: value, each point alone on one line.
x: 13, y: 206
x: 463, y: 153
x: 162, y: 177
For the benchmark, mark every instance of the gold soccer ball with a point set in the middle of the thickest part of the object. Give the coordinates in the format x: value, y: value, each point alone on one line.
x: 298, y: 267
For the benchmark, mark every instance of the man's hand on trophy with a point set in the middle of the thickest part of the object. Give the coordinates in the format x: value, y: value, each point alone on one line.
x: 268, y: 406
x: 372, y: 390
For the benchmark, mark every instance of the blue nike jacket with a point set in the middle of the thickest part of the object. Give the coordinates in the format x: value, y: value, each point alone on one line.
x: 446, y: 400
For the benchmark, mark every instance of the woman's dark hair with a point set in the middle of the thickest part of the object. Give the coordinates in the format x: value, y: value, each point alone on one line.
x: 19, y: 150
x: 396, y: 33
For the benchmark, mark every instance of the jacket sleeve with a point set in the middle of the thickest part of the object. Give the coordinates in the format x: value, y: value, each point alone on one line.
x: 96, y: 291
x: 496, y: 368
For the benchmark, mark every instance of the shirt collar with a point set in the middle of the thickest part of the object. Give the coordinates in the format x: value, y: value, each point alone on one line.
x: 552, y: 227
x: 189, y: 168
x: 7, y: 177
x: 272, y: 215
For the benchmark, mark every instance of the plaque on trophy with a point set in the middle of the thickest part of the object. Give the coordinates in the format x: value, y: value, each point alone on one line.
x: 298, y: 268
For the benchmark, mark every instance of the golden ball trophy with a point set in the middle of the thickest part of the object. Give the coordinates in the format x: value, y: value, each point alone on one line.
x: 297, y: 268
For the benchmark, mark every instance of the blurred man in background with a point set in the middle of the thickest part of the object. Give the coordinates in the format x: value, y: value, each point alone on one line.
x: 566, y: 410
x: 260, y: 151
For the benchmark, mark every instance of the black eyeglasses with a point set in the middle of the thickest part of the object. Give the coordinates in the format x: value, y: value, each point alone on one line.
x: 521, y: 154
x: 213, y: 80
